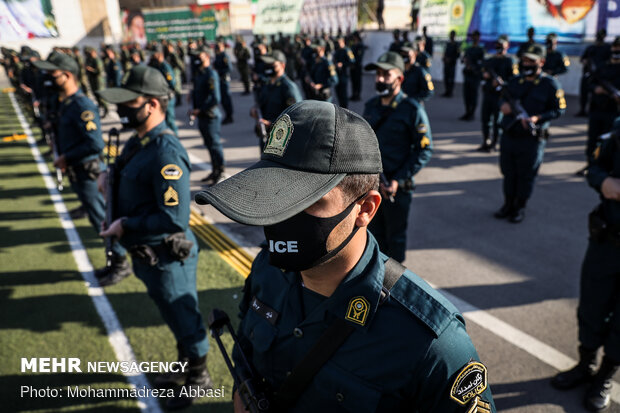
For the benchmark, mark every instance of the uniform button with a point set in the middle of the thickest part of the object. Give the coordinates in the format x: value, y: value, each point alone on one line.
x: 339, y: 397
x: 298, y: 333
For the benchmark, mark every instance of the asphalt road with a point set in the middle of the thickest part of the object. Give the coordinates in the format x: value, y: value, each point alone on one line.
x: 517, y: 285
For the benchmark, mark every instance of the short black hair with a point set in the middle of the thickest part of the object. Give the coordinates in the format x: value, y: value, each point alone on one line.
x: 355, y: 185
x: 163, y: 101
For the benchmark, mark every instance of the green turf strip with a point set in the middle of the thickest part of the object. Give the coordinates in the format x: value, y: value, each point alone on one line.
x: 45, y: 310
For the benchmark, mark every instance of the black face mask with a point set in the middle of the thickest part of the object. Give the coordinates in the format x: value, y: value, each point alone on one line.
x: 499, y: 49
x: 270, y: 70
x: 49, y: 82
x: 406, y: 59
x: 384, y: 88
x: 129, y: 116
x: 527, y: 70
x: 300, y: 242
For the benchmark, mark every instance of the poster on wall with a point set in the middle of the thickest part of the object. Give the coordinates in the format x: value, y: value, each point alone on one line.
x: 277, y: 16
x: 573, y: 21
x: 26, y: 19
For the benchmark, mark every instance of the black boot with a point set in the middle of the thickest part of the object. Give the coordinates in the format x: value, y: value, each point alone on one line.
x: 581, y: 373
x: 506, y: 210
x: 213, y: 177
x: 197, y: 383
x: 172, y: 379
x: 518, y: 214
x: 597, y: 396
x: 115, y: 273
x: 486, y: 145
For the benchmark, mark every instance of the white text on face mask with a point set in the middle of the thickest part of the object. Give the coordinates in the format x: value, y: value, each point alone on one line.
x: 282, y: 246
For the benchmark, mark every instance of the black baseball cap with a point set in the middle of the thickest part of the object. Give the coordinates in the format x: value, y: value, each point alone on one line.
x: 311, y: 147
x: 387, y: 61
x: 142, y: 80
x: 275, y: 56
x: 58, y: 61
x: 535, y: 52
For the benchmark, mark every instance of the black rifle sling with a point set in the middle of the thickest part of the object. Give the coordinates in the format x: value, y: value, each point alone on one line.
x: 329, y: 342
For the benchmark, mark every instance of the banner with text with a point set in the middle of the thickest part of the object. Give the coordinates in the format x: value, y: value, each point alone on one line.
x: 277, y: 16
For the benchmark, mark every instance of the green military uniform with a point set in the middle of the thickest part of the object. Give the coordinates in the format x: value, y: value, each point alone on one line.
x: 406, y: 350
x: 96, y: 76
x: 472, y: 72
x: 242, y: 54
x: 178, y: 66
x: 166, y: 70
x: 79, y: 59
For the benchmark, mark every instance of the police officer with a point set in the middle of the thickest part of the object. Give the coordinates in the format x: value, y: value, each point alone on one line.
x: 523, y: 142
x: 205, y: 98
x: 322, y: 270
x: 79, y: 145
x: 344, y: 59
x: 95, y: 73
x: 556, y: 62
x: 153, y: 206
x: 322, y: 75
x: 428, y: 42
x: 113, y: 69
x: 472, y: 72
x: 496, y: 70
x: 178, y: 66
x: 405, y: 140
x: 79, y: 59
x: 451, y: 55
x: 526, y: 45
x: 592, y: 58
x: 397, y: 43
x: 599, y: 308
x: 307, y: 57
x: 242, y: 54
x: 358, y: 48
x: 278, y: 93
x: 223, y: 67
x: 423, y: 58
x: 418, y: 83
x: 159, y: 62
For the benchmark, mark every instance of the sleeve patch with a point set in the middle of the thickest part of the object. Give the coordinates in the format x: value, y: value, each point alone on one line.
x: 87, y: 115
x: 597, y: 152
x: 561, y: 100
x: 90, y: 126
x: 424, y: 142
x: 566, y: 62
x: 422, y: 128
x: 470, y: 382
x: 172, y: 172
x: 168, y: 76
x: 171, y: 197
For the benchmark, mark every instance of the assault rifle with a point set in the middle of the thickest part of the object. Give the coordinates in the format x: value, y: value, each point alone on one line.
x: 114, y: 134
x: 515, y: 104
x: 254, y: 400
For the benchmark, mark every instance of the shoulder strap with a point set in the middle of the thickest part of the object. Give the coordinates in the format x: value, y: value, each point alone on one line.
x: 325, y: 347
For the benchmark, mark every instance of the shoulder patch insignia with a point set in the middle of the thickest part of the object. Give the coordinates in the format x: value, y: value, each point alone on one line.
x: 358, y: 310
x: 470, y: 382
x: 90, y: 125
x: 171, y: 197
x: 350, y: 54
x: 172, y: 172
x: 597, y: 152
x: 424, y: 142
x: 168, y: 76
x: 479, y: 405
x: 87, y: 115
x: 428, y: 77
x: 422, y: 128
x: 280, y: 136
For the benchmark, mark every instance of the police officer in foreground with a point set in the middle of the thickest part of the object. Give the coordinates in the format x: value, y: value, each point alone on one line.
x: 472, y: 73
x: 599, y: 308
x: 451, y: 55
x: 153, y: 206
x: 523, y: 139
x: 404, y: 346
x: 405, y: 140
x: 79, y: 144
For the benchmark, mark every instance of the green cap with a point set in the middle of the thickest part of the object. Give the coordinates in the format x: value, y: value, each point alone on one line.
x: 408, y: 46
x: 311, y: 147
x: 275, y: 56
x: 318, y: 43
x: 387, y: 61
x: 142, y: 80
x: 58, y: 61
x: 534, y: 51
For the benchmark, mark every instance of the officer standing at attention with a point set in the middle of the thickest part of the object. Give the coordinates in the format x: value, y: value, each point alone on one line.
x: 495, y: 69
x: 397, y: 43
x: 95, y: 73
x: 324, y: 272
x: 153, y: 206
x: 344, y: 59
x: 593, y: 57
x: 472, y: 72
x: 523, y: 143
x: 114, y: 70
x: 278, y: 93
x: 451, y: 55
x: 405, y: 140
x: 526, y: 45
x: 556, y: 62
x: 423, y: 58
x: 418, y: 83
x: 322, y: 75
x: 79, y: 148
x: 428, y: 42
x: 82, y: 81
x: 159, y: 62
x: 358, y: 48
x: 599, y: 308
x: 178, y: 67
x: 242, y: 54
x: 205, y: 97
x: 223, y: 67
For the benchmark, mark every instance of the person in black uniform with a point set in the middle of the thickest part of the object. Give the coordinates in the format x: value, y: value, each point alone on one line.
x: 428, y: 41
x: 344, y: 60
x: 322, y: 76
x: 530, y: 41
x: 523, y: 144
x: 397, y: 43
x: 451, y: 55
x: 418, y: 83
x: 358, y: 48
x: 223, y: 66
x: 556, y: 62
x: 472, y: 71
x: 592, y: 58
x: 423, y: 58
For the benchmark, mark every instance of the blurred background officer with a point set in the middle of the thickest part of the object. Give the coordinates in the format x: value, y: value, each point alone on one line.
x: 526, y: 45
x: 523, y: 142
x: 402, y: 352
x: 95, y: 73
x: 178, y: 67
x: 556, y: 62
x: 422, y: 57
x: 358, y: 48
x: 223, y: 67
x: 496, y: 70
x: 242, y: 54
x: 79, y: 59
x: 599, y: 308
x: 113, y: 68
x: 397, y: 43
x: 322, y: 75
x: 472, y: 73
x: 404, y: 135
x: 428, y: 42
x: 418, y: 83
x: 278, y: 93
x: 451, y: 55
x: 153, y: 203
x: 79, y: 144
x: 159, y: 62
x: 592, y: 58
x: 344, y: 59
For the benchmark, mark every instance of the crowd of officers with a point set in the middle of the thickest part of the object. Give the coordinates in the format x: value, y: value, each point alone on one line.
x: 520, y: 96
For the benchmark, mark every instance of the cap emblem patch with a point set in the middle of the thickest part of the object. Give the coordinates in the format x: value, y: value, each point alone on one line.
x: 279, y: 136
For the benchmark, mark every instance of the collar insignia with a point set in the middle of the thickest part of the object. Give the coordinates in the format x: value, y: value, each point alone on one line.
x: 357, y: 311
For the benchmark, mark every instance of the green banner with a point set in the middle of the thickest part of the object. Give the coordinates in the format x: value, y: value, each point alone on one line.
x: 180, y: 23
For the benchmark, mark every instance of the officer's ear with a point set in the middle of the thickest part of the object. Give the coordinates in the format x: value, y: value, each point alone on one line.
x: 368, y: 208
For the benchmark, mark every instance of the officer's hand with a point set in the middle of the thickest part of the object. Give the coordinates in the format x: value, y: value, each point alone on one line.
x: 386, y: 191
x: 61, y: 163
x: 265, y: 122
x: 317, y: 86
x: 611, y: 188
x: 102, y: 182
x: 238, y: 404
x: 600, y: 90
x: 114, y: 230
x: 505, y: 108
